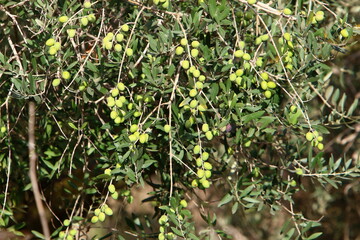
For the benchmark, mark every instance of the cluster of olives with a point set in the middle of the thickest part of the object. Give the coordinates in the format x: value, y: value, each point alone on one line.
x: 164, y: 223
x: 315, y: 139
x: 267, y: 85
x: 71, y: 233
x: 204, y: 167
x: 101, y: 213
x: 113, y: 41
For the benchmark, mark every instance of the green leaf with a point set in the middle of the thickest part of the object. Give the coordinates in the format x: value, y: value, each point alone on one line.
x: 314, y: 235
x: 37, y: 234
x: 226, y: 199
x: 251, y: 200
x: 252, y: 116
x: 91, y: 66
x: 72, y: 126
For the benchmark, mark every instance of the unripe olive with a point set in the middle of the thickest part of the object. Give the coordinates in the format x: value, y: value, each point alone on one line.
x: 267, y: 94
x: 134, y: 128
x: 120, y: 86
x: 66, y: 222
x: 197, y: 149
x: 194, y: 183
x: 263, y: 85
x: 258, y: 41
x: 193, y: 93
x: 107, y: 171
x: 199, y: 162
x: 144, y: 138
x: 239, y: 53
x: 192, y: 69
x: 167, y: 128
x: 193, y: 103
x: 320, y: 146
x: 344, y: 33
x: 299, y: 171
x: 194, y: 52
x: 293, y: 109
x: 132, y: 137
x: 117, y: 47
x: 97, y: 211
x: 319, y: 16
x: 246, y: 56
x: 251, y: 1
x: 238, y: 80
x: 114, y: 92
x: 129, y: 52
x: 63, y: 19
x: 50, y: 42
x: 199, y: 85
x: 84, y: 21
x: 287, y: 11
x: 3, y: 129
x: 71, y: 32
x: 232, y: 77
x: 165, y: 4
x: 91, y: 17
x: 293, y: 183
x: 271, y: 84
x: 201, y: 173
x: 287, y: 36
x: 69, y: 237
x: 205, y: 156
x: 73, y: 232
x: 309, y: 136
x: 206, y: 183
x: 115, y: 195
x: 183, y: 203
x: 179, y: 50
x: 207, y: 166
x: 196, y: 73
x: 264, y: 37
x: 209, y: 135
x: 65, y: 75
x: 87, y: 4
x: 113, y: 114
x: 185, y: 64
x: 202, y: 78
x: 161, y: 236
x: 61, y: 234
x: 108, y: 45
x: 119, y: 120
x: 119, y: 37
x: 110, y: 101
x: 205, y: 127
x: 163, y: 219
x: 195, y: 44
x: 102, y: 216
x: 264, y: 76
x: 183, y: 41
x: 111, y: 188
x: 207, y: 173
x: 52, y: 50
x: 320, y: 138
x: 125, y: 27
x: 108, y: 211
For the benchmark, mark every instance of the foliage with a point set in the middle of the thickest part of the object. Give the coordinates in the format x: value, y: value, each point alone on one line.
x: 180, y: 95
